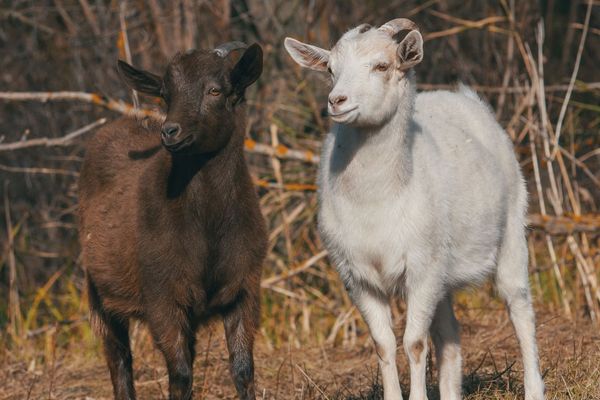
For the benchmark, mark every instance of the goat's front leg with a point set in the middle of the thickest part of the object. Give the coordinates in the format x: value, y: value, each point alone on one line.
x: 241, y: 323
x: 175, y: 338
x: 376, y: 312
x: 422, y: 297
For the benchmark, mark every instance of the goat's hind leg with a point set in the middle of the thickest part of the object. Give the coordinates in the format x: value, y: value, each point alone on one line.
x: 446, y: 339
x: 114, y: 333
x: 241, y: 323
x: 512, y: 281
x: 421, y: 301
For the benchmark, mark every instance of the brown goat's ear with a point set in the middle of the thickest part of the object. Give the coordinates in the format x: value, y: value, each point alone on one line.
x: 306, y: 55
x: 410, y: 50
x: 248, y: 69
x: 142, y: 81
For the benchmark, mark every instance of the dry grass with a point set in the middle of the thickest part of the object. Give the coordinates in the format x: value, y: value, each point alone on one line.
x: 570, y: 360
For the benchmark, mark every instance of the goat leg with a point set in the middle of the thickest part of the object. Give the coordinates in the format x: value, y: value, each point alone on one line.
x: 114, y: 333
x: 240, y: 327
x: 175, y: 338
x: 118, y: 358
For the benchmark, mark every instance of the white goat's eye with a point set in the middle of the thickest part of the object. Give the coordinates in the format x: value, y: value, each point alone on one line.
x: 381, y: 67
x: 214, y: 91
x: 329, y: 70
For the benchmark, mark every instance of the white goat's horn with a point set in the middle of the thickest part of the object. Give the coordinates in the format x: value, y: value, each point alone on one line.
x: 224, y: 49
x: 396, y: 25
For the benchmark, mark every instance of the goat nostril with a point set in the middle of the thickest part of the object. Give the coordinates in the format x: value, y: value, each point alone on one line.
x: 171, y: 129
x: 335, y: 100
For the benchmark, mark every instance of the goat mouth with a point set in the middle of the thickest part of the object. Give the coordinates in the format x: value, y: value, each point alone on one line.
x: 183, y: 143
x: 340, y: 115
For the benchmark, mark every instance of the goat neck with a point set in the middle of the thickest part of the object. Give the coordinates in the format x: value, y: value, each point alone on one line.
x: 380, y: 156
x: 219, y: 168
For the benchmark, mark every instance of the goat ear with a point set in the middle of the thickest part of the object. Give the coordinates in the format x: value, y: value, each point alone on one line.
x: 307, y: 56
x: 248, y: 69
x: 142, y: 81
x: 410, y: 50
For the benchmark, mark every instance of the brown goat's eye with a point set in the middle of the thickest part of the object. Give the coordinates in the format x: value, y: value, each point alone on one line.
x: 382, y: 67
x: 214, y: 92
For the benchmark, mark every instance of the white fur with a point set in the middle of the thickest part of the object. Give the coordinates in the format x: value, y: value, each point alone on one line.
x: 419, y: 195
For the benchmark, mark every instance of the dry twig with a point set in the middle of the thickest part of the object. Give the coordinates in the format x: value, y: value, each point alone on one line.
x: 48, y: 142
x: 563, y: 109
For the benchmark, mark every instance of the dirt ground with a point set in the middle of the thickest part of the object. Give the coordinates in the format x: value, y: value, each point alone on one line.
x: 570, y: 359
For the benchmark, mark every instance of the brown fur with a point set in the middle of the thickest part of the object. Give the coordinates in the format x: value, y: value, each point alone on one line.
x: 174, y: 238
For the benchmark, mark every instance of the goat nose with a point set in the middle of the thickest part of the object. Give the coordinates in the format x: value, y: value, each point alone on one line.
x: 337, y: 100
x: 170, y: 129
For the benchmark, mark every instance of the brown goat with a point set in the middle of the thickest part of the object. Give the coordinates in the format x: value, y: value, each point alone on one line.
x: 172, y: 234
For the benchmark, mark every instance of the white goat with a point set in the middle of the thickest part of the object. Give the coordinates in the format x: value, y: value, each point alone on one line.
x: 419, y: 195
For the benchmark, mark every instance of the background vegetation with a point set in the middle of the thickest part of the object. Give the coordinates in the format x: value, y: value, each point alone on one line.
x: 535, y: 62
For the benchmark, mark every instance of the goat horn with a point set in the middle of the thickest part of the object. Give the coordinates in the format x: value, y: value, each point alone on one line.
x: 396, y: 25
x: 224, y: 49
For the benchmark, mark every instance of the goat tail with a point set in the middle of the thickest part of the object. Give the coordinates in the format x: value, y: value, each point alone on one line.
x: 468, y: 92
x: 97, y: 321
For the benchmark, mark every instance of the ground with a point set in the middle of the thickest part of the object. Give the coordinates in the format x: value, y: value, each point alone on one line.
x: 569, y: 351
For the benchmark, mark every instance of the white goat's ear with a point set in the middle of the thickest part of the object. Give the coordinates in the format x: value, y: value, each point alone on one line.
x: 307, y: 56
x: 410, y: 50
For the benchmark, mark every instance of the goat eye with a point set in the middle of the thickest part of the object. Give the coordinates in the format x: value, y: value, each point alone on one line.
x: 214, y: 92
x: 329, y: 70
x: 382, y: 67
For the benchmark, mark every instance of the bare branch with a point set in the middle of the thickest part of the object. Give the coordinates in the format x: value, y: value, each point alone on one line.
x: 563, y: 109
x: 281, y: 151
x: 156, y: 14
x: 89, y: 15
x: 580, y: 87
x: 28, y: 21
x: 124, y: 46
x: 93, y: 98
x: 61, y: 141
x: 14, y: 309
x: 36, y: 170
x: 292, y: 272
x: 564, y: 225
